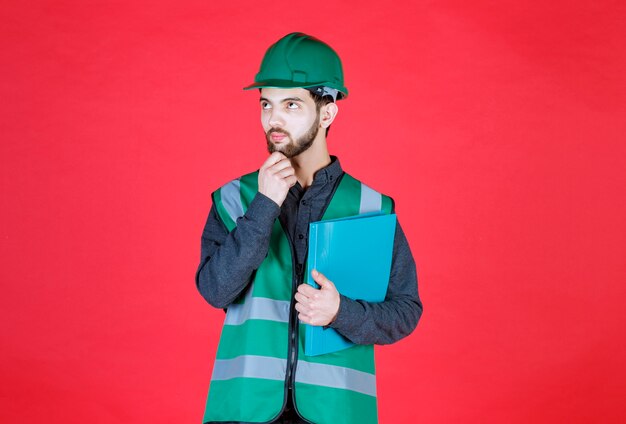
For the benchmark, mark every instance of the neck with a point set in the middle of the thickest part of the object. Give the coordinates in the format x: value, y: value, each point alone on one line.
x: 309, y: 162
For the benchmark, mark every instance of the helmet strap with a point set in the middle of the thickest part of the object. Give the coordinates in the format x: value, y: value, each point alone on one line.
x: 324, y: 91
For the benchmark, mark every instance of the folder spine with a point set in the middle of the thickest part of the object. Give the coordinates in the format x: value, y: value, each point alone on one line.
x: 308, y: 340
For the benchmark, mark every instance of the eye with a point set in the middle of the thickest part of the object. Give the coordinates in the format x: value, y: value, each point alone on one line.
x: 265, y: 106
x: 292, y: 105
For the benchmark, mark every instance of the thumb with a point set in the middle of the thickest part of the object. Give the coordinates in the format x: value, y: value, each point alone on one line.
x: 321, y: 279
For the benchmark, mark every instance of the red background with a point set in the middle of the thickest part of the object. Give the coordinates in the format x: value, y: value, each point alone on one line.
x: 498, y: 127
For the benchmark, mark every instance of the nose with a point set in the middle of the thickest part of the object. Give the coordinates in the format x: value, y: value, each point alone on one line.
x: 276, y: 119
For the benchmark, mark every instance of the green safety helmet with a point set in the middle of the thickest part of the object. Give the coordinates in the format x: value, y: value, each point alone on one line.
x: 299, y: 60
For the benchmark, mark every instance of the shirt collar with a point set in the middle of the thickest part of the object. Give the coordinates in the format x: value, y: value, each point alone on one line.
x: 329, y: 173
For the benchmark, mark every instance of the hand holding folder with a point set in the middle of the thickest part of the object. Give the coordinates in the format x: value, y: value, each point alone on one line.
x: 355, y: 254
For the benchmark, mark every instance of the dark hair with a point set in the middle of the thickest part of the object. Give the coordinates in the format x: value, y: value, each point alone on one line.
x: 321, y: 101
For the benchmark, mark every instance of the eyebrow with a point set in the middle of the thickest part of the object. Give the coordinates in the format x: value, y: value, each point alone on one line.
x: 288, y: 99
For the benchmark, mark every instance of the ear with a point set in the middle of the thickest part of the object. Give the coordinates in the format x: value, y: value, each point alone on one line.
x: 327, y: 114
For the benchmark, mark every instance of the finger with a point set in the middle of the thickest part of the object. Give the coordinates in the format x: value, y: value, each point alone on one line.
x: 280, y: 165
x: 291, y: 180
x: 273, y: 159
x: 305, y: 318
x: 302, y: 309
x: 300, y: 298
x: 287, y: 172
x: 307, y: 290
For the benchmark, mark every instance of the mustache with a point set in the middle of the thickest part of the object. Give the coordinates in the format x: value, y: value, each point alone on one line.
x: 277, y: 131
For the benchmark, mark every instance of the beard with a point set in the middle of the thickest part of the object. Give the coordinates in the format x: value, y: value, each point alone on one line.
x: 293, y: 148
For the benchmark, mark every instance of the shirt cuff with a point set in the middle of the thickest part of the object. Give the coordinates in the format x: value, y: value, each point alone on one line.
x: 262, y: 209
x: 347, y: 316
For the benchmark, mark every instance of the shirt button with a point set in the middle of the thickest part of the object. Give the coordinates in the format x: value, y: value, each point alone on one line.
x: 303, y: 202
x: 300, y: 236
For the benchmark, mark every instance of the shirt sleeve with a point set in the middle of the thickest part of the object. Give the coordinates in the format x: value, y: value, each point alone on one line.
x: 228, y: 260
x: 397, y: 316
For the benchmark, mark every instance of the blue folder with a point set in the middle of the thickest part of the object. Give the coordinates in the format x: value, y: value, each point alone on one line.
x: 355, y: 254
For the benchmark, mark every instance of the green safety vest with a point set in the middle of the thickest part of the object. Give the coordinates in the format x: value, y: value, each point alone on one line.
x: 258, y: 342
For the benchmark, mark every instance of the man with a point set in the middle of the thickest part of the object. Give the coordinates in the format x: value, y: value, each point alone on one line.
x: 254, y: 248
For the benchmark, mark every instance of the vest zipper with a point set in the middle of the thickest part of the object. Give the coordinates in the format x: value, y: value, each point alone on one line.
x: 293, y: 345
x: 296, y: 327
x: 292, y: 351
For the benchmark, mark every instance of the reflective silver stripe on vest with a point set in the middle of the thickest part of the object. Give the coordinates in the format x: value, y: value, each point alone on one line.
x: 337, y: 377
x: 231, y: 199
x: 371, y: 200
x: 250, y: 366
x: 257, y: 308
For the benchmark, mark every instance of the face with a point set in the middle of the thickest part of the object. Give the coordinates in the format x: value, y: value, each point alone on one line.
x: 290, y: 120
